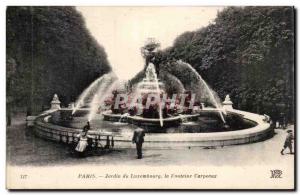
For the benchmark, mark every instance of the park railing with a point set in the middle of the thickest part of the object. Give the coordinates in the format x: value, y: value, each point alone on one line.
x: 71, y: 136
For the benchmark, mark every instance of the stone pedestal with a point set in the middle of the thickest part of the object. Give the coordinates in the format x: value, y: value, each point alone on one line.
x: 55, y: 103
x: 227, y: 104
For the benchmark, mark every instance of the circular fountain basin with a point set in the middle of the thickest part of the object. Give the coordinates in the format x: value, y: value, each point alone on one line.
x: 171, y: 121
x: 173, y: 138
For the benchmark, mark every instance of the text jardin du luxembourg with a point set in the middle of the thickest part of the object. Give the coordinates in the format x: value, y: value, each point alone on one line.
x: 161, y: 176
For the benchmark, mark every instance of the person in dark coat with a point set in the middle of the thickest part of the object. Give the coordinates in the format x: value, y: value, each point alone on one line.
x: 87, y: 127
x: 288, y: 142
x: 138, y: 139
x: 282, y: 120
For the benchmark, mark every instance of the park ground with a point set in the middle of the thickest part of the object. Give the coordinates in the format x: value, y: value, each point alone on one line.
x: 23, y: 148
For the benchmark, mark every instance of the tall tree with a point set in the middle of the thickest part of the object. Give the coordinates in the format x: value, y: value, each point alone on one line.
x: 53, y: 52
x: 247, y: 52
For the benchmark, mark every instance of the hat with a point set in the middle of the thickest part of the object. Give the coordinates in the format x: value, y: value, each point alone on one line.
x: 289, y: 131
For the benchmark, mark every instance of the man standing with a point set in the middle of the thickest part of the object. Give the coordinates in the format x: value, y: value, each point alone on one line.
x: 86, y: 127
x: 288, y: 142
x: 138, y: 139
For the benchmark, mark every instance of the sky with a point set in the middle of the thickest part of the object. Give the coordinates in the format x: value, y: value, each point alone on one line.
x: 122, y: 31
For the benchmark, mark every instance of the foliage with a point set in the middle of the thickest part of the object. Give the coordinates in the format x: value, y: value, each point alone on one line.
x: 53, y: 52
x: 247, y: 52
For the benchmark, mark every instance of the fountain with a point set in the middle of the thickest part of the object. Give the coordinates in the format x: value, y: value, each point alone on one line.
x: 190, y: 114
x: 210, y: 93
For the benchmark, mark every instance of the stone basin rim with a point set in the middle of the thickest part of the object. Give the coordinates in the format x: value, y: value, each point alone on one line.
x: 253, y: 134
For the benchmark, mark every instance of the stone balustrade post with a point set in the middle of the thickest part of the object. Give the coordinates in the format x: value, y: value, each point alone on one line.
x: 55, y: 103
x: 227, y: 104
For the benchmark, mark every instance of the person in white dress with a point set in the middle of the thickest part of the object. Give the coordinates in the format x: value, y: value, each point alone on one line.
x: 83, y: 139
x: 83, y: 142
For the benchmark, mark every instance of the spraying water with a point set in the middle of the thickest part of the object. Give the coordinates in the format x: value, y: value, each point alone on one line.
x: 177, y: 81
x: 103, y: 92
x: 86, y: 93
x: 152, y: 69
x: 210, y: 93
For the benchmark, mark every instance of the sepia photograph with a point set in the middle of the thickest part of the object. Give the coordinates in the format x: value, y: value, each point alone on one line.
x: 150, y: 97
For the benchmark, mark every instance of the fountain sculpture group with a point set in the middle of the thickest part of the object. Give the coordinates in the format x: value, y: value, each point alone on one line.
x: 188, y: 117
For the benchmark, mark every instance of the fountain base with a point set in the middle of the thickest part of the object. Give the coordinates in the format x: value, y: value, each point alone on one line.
x: 44, y: 127
x: 172, y: 121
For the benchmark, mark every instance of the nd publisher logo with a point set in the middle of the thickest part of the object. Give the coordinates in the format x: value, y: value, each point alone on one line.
x: 276, y: 173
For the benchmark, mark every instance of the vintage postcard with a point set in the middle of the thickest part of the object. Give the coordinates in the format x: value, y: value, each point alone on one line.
x: 150, y: 97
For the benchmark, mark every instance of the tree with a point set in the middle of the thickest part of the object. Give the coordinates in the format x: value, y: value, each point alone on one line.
x: 54, y: 53
x: 247, y: 52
